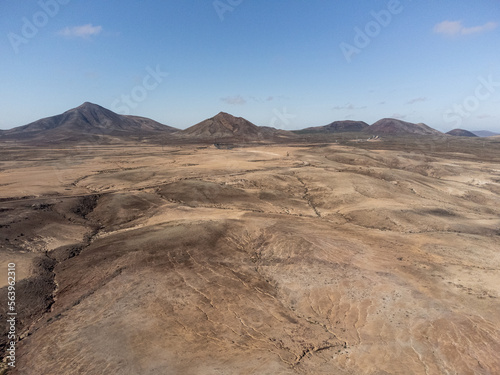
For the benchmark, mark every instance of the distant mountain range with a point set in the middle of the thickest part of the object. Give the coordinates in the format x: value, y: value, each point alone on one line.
x: 336, y: 127
x: 484, y: 133
x: 90, y: 121
x: 390, y: 126
x: 461, y: 133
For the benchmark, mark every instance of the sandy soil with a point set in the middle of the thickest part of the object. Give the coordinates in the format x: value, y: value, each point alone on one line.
x: 137, y: 259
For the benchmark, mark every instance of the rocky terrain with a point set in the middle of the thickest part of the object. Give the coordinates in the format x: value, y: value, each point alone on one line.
x: 260, y: 259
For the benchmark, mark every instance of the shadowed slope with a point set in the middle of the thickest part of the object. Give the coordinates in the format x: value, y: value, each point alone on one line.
x: 87, y: 119
x: 226, y: 126
x: 390, y: 126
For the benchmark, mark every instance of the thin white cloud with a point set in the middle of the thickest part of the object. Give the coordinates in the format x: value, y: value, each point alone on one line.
x: 349, y: 107
x: 480, y: 29
x: 269, y: 98
x: 262, y: 100
x: 234, y: 100
x: 84, y: 31
x: 416, y: 100
x: 454, y: 28
x: 399, y: 116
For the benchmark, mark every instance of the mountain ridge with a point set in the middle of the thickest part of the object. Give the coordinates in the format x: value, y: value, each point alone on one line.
x: 226, y: 126
x: 336, y: 127
x: 88, y: 119
x: 391, y: 126
x: 91, y: 120
x: 484, y: 133
x: 461, y: 133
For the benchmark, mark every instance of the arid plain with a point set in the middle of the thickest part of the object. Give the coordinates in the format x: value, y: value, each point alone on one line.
x: 255, y: 259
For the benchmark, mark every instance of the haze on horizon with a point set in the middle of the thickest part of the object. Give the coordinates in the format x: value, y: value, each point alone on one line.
x: 284, y: 64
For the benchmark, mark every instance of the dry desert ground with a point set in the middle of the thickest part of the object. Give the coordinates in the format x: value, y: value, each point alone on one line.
x: 257, y: 259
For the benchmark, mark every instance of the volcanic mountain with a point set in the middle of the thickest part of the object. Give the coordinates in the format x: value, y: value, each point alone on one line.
x: 87, y: 120
x: 484, y: 133
x: 390, y: 126
x: 226, y: 126
x: 461, y: 133
x: 337, y: 127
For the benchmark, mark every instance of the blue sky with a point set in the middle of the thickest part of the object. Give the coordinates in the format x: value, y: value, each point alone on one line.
x: 283, y: 63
